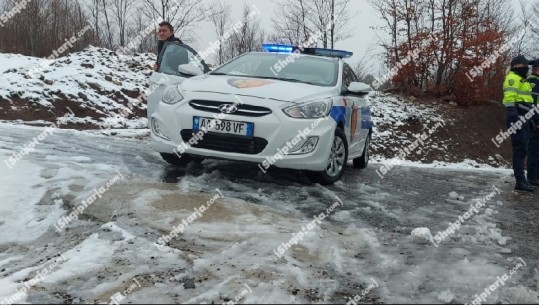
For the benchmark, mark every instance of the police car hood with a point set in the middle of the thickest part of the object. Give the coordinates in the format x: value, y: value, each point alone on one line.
x: 256, y: 87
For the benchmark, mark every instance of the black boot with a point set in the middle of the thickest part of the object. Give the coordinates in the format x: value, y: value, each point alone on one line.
x: 533, y: 182
x: 525, y: 186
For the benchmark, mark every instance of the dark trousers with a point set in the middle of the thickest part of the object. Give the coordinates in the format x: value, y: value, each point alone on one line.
x: 519, y: 141
x: 533, y: 154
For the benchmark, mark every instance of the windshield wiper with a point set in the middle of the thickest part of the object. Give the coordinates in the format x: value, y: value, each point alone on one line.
x: 293, y: 80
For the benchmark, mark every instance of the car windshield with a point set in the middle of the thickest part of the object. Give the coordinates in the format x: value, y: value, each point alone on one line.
x: 317, y: 71
x: 176, y: 55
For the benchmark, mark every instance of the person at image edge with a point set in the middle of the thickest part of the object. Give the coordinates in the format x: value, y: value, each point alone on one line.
x: 518, y: 101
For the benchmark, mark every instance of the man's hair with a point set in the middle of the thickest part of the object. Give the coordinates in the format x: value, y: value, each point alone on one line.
x: 168, y: 25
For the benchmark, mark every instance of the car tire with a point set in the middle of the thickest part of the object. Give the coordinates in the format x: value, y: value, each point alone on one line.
x: 197, y: 159
x: 336, y: 162
x: 363, y: 161
x: 173, y: 159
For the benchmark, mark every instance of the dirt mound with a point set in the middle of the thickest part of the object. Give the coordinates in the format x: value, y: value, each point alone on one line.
x: 454, y: 133
x: 93, y: 86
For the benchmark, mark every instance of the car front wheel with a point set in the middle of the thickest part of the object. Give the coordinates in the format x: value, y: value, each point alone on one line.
x: 336, y: 162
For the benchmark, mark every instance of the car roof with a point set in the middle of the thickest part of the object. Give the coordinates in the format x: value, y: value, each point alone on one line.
x: 301, y: 55
x: 284, y: 48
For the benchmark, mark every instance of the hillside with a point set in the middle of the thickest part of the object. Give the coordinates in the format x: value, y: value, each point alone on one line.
x: 96, y: 84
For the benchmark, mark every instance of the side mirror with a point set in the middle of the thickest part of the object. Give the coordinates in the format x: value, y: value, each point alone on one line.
x: 189, y: 70
x: 359, y: 88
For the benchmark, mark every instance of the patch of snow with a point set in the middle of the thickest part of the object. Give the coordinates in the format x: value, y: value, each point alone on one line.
x: 446, y: 296
x: 87, y: 257
x: 421, y: 235
x: 464, y: 165
x: 22, y: 218
x: 520, y: 295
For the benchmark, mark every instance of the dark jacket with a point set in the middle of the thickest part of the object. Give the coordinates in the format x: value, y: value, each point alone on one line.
x: 534, y: 81
x: 161, y: 44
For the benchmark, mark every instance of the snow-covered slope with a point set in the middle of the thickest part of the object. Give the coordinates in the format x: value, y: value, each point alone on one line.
x: 95, y: 84
x: 398, y: 123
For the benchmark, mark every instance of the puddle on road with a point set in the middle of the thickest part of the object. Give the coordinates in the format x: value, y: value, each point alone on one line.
x: 233, y: 243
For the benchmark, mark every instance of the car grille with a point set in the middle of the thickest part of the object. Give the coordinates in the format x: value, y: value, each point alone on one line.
x: 243, y: 110
x: 227, y: 143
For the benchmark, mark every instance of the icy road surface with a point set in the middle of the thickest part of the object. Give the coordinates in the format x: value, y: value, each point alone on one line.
x: 363, y: 249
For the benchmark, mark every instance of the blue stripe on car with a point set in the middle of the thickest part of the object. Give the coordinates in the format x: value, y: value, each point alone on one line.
x: 366, y: 118
x: 338, y: 113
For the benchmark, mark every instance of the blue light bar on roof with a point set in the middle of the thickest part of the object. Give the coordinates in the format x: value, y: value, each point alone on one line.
x: 277, y: 48
x: 329, y: 52
x: 282, y: 48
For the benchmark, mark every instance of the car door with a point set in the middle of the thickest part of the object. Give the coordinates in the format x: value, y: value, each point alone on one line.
x: 353, y: 111
x: 173, y: 55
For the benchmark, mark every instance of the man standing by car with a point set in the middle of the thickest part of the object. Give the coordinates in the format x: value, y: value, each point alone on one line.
x: 166, y: 34
x: 518, y: 100
x: 533, y: 154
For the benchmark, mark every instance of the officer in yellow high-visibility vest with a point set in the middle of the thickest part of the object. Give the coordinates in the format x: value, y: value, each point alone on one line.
x: 518, y: 101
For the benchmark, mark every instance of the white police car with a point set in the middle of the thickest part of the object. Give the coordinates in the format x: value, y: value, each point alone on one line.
x: 287, y: 108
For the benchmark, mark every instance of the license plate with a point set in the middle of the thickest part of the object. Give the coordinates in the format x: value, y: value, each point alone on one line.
x: 227, y: 127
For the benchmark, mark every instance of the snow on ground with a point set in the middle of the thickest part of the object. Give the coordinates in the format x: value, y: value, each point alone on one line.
x: 393, y: 116
x: 416, y: 134
x: 95, y: 83
x: 464, y: 165
x: 17, y: 61
x: 256, y: 230
x: 393, y: 110
x: 233, y: 246
x: 23, y: 209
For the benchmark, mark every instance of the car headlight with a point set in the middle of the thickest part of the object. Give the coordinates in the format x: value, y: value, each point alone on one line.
x: 308, y: 147
x: 310, y: 110
x: 172, y: 95
x: 157, y: 129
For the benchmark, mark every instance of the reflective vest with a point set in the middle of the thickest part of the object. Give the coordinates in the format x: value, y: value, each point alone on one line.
x: 534, y: 82
x: 516, y: 90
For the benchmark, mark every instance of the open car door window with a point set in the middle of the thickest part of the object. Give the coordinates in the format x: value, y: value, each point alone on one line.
x: 175, y: 54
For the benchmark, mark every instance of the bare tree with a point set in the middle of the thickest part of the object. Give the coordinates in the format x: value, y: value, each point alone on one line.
x: 109, y: 40
x: 182, y: 14
x: 297, y: 20
x: 35, y: 16
x: 121, y: 10
x: 290, y: 22
x: 526, y: 22
x: 331, y: 18
x: 94, y: 10
x: 535, y: 28
x: 364, y: 67
x: 220, y: 18
x: 140, y: 24
x: 42, y: 27
x: 247, y: 36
